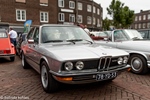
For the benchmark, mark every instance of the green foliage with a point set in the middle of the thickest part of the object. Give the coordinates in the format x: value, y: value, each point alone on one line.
x: 106, y: 24
x: 122, y: 16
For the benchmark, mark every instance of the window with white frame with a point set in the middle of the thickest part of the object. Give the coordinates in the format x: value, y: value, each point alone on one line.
x: 71, y: 4
x: 61, y: 17
x: 89, y: 20
x: 139, y: 17
x: 20, y: 15
x: 98, y: 22
x: 22, y: 1
x: 61, y: 3
x: 94, y: 21
x: 44, y: 2
x: 144, y: 25
x: 89, y: 8
x: 135, y: 26
x: 97, y: 11
x: 79, y: 18
x: 148, y: 16
x: 93, y: 9
x: 139, y: 26
x: 71, y: 18
x: 144, y: 17
x: 43, y: 16
x: 79, y: 6
x: 136, y: 18
x: 148, y: 25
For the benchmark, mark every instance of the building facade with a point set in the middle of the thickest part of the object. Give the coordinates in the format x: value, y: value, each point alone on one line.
x: 142, y: 20
x: 86, y: 12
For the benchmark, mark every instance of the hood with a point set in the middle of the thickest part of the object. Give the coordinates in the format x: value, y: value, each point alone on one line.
x: 88, y: 51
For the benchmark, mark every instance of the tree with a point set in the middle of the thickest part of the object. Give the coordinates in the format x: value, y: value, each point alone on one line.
x: 122, y: 16
x: 106, y: 24
x: 128, y: 17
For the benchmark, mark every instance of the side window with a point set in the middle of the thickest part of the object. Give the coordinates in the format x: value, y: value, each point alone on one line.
x: 30, y: 34
x: 119, y: 36
x: 36, y: 35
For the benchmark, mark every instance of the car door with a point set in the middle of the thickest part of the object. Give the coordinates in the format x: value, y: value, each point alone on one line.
x: 27, y: 46
x: 35, y: 56
x: 120, y: 39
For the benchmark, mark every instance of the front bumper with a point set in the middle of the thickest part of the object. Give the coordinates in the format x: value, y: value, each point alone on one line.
x: 82, y: 77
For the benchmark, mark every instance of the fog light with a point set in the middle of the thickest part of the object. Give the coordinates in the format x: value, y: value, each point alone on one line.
x: 79, y: 65
x: 68, y: 66
x: 120, y: 60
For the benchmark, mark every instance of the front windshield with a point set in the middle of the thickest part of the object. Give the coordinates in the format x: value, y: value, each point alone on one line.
x: 64, y: 34
x: 133, y: 34
x: 124, y: 35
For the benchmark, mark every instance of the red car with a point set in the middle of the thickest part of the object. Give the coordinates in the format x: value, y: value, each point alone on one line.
x: 7, y: 49
x: 98, y: 35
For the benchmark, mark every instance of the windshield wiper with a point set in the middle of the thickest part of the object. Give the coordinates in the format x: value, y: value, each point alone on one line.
x: 75, y: 40
x: 53, y: 41
x: 88, y: 41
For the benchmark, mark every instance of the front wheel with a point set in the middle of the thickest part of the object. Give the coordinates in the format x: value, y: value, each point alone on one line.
x: 25, y: 65
x: 138, y: 64
x: 48, y: 82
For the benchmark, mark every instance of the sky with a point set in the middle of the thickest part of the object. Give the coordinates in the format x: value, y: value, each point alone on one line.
x: 135, y: 5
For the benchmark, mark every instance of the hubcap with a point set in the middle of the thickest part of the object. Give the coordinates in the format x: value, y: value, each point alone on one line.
x: 44, y: 76
x: 136, y: 64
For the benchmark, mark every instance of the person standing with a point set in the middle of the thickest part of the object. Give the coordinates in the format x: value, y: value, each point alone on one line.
x: 13, y: 36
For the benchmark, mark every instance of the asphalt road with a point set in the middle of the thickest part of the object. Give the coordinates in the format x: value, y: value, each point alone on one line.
x: 17, y: 83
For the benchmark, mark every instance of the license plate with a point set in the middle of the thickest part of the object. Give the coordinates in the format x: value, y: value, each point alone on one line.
x: 106, y: 76
x: 1, y: 51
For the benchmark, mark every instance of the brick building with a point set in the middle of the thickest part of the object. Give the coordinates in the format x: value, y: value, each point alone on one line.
x: 142, y: 20
x: 16, y: 12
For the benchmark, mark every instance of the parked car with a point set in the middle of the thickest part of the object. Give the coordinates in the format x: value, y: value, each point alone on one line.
x: 67, y: 54
x: 7, y: 49
x: 131, y: 41
x: 20, y: 39
x: 99, y: 35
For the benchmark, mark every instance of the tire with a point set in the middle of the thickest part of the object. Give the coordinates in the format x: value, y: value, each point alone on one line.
x: 49, y: 84
x: 12, y: 58
x: 138, y: 64
x: 25, y: 65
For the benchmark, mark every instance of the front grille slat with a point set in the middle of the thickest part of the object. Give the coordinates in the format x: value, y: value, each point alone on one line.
x: 104, y: 63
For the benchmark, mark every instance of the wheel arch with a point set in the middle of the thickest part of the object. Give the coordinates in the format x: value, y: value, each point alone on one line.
x: 43, y: 58
x: 141, y: 54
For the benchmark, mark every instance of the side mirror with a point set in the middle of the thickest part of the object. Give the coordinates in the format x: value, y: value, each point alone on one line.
x: 30, y: 41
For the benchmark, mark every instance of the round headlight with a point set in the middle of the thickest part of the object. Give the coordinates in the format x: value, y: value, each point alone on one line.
x: 120, y: 60
x: 125, y: 60
x: 68, y: 66
x: 79, y: 65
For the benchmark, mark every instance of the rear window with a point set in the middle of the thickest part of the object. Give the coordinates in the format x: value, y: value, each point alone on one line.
x: 3, y: 35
